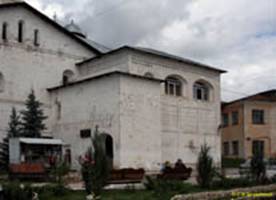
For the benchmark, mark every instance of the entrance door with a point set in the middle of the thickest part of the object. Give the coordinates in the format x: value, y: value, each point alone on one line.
x: 108, y: 146
x: 258, y: 147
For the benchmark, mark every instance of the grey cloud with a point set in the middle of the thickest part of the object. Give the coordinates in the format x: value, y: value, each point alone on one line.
x: 239, y: 36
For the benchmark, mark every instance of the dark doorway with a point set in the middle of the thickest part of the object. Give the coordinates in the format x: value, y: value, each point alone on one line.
x: 108, y: 144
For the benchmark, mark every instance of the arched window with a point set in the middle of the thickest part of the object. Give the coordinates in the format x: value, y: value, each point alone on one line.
x: 36, y: 37
x: 67, y: 76
x: 201, y: 91
x: 4, y: 31
x: 149, y: 75
x: 20, y: 31
x: 173, y: 86
x: 2, y: 82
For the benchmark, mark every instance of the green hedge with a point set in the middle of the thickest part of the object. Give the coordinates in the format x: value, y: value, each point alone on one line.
x: 232, y: 162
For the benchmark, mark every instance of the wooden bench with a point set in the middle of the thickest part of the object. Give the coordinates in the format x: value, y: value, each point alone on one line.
x: 126, y: 175
x: 27, y: 170
x: 175, y: 174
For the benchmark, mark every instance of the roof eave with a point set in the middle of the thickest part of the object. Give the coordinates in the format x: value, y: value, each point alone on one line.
x: 141, y: 51
x: 103, y: 75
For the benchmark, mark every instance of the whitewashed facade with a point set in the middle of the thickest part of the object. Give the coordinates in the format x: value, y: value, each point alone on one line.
x: 132, y: 94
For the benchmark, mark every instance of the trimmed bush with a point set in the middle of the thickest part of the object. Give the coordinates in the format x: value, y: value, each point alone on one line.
x: 232, y: 162
x: 16, y: 191
x: 205, y: 167
x: 258, y: 168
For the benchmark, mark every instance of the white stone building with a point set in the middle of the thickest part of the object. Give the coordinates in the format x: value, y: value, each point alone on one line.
x: 153, y: 106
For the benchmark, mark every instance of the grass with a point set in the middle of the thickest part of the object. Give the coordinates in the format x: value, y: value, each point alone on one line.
x: 107, y: 195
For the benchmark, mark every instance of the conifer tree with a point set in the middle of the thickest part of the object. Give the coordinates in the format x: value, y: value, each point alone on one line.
x: 95, y: 167
x: 14, y: 129
x: 205, y: 167
x: 33, y: 117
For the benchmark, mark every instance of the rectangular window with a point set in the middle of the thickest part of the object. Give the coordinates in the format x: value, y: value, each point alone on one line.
x: 235, y: 147
x: 36, y: 37
x: 258, y: 116
x: 4, y: 31
x: 235, y: 118
x: 20, y: 31
x: 86, y: 133
x: 225, y: 120
x: 226, y: 149
x: 258, y: 147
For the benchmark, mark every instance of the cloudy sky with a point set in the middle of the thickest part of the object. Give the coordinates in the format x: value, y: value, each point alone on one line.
x: 236, y: 35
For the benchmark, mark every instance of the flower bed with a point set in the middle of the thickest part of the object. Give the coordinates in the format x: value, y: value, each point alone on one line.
x: 226, y: 194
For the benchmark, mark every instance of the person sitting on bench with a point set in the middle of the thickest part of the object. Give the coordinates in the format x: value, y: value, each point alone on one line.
x: 180, y: 165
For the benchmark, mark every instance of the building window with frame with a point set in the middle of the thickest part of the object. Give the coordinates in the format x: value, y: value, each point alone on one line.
x: 2, y: 83
x: 20, y: 31
x: 85, y: 133
x: 258, y: 116
x: 67, y: 77
x: 258, y: 147
x: 235, y: 148
x: 173, y: 86
x: 201, y: 91
x: 226, y: 148
x: 36, y: 37
x: 5, y: 31
x: 235, y: 118
x: 225, y: 120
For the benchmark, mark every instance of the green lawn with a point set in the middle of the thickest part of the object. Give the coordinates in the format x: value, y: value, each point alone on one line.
x: 108, y: 195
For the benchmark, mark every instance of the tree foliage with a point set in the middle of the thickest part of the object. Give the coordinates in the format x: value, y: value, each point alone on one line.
x: 33, y: 117
x: 205, y: 168
x: 258, y: 168
x: 95, y: 167
x: 14, y: 130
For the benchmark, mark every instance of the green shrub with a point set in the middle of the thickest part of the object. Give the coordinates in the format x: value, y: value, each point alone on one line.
x: 232, y: 162
x: 205, y: 167
x: 272, y: 161
x: 15, y: 191
x: 229, y: 183
x: 59, y: 171
x: 164, y: 189
x: 95, y: 167
x: 258, y: 168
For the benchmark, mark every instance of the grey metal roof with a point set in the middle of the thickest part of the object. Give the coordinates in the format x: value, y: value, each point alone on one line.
x: 168, y: 55
x: 104, y: 75
x: 156, y: 53
x: 98, y: 46
x: 74, y: 28
x: 41, y: 141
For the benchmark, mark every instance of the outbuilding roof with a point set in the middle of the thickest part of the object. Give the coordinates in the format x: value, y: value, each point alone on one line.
x: 104, y: 75
x: 41, y: 141
x: 268, y: 96
x: 155, y: 53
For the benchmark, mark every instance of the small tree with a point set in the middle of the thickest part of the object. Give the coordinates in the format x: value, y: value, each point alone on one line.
x: 33, y: 117
x: 94, y: 166
x: 205, y: 168
x: 60, y: 170
x: 14, y: 130
x: 258, y: 168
